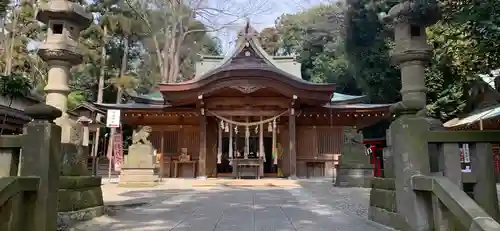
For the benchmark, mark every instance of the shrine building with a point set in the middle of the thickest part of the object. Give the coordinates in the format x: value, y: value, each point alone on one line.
x: 249, y: 114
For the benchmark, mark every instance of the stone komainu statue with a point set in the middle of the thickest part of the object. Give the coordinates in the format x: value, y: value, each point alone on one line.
x: 141, y: 134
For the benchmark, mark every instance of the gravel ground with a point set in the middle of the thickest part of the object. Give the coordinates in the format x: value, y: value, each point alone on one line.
x: 349, y: 200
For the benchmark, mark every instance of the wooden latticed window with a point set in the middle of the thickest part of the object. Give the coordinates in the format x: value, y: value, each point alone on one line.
x: 156, y: 140
x: 330, y: 140
x: 171, y: 142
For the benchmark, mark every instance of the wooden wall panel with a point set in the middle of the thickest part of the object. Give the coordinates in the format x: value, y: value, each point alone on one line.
x: 330, y: 140
x: 156, y: 138
x: 306, y: 142
x: 171, y: 143
x: 190, y: 139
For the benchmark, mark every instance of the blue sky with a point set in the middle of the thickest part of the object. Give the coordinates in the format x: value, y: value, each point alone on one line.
x: 279, y: 7
x: 275, y: 8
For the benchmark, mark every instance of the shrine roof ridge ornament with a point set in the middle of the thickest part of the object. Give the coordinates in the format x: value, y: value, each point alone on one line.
x: 247, y: 52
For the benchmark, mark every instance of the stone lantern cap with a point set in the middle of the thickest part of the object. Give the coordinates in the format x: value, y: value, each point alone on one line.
x: 84, y: 120
x: 418, y: 12
x: 49, y: 52
x: 43, y: 112
x: 91, y: 124
x: 64, y: 10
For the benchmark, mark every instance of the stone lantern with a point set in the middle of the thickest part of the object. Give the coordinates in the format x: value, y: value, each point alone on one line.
x: 409, y: 19
x: 65, y: 19
x: 407, y: 148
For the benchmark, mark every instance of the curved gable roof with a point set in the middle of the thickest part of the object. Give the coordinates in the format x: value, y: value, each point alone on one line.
x: 249, y: 48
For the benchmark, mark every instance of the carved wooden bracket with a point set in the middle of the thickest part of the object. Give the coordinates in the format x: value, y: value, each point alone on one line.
x: 247, y: 88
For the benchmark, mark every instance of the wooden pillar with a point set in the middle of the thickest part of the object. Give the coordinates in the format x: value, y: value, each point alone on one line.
x: 261, y: 141
x: 202, y: 168
x: 235, y: 148
x: 274, y: 149
x: 219, y: 144
x: 292, y: 155
x: 247, y: 141
x: 231, y: 152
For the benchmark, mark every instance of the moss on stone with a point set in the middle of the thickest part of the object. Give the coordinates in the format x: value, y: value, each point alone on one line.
x: 383, y: 183
x: 385, y: 199
x: 73, y: 200
x: 78, y: 182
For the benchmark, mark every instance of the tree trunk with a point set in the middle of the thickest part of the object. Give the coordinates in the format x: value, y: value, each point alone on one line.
x: 100, y: 93
x: 158, y: 55
x: 123, y: 67
x: 100, y: 86
x: 9, y: 50
x: 166, y: 61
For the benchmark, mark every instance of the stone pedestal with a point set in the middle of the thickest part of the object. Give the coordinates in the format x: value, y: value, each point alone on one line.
x: 139, y: 166
x: 74, y: 154
x: 78, y: 190
x: 354, y: 169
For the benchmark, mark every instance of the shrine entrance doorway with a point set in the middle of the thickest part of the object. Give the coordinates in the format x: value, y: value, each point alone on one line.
x: 225, y: 169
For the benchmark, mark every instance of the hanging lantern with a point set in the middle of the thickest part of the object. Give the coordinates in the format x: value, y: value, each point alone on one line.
x: 222, y: 124
x: 256, y: 129
x: 226, y: 128
x: 236, y: 129
x: 270, y: 127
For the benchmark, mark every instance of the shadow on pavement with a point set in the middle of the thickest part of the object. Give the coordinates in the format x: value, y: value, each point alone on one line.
x: 229, y: 208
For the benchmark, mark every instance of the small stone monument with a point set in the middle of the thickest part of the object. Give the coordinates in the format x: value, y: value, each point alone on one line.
x: 140, y: 162
x: 184, y: 155
x: 354, y: 169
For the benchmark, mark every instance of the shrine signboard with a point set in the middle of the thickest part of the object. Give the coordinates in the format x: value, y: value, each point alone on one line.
x: 113, y: 118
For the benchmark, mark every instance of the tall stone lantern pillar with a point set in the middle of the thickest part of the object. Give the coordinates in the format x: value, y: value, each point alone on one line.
x: 408, y: 133
x: 412, y: 53
x: 64, y: 20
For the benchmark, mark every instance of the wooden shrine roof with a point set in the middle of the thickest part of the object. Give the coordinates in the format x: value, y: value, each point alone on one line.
x: 248, y: 73
x: 248, y: 68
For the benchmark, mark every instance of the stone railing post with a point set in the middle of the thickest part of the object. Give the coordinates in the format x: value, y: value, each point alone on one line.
x: 388, y: 158
x: 411, y: 157
x: 485, y: 191
x: 40, y: 157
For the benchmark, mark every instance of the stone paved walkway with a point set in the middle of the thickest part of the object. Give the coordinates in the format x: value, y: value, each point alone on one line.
x: 231, y: 208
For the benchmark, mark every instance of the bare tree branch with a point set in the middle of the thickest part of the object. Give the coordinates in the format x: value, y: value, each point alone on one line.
x: 175, y: 24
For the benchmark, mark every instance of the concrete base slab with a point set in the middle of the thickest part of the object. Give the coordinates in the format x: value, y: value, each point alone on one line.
x: 351, y: 177
x: 138, y: 176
